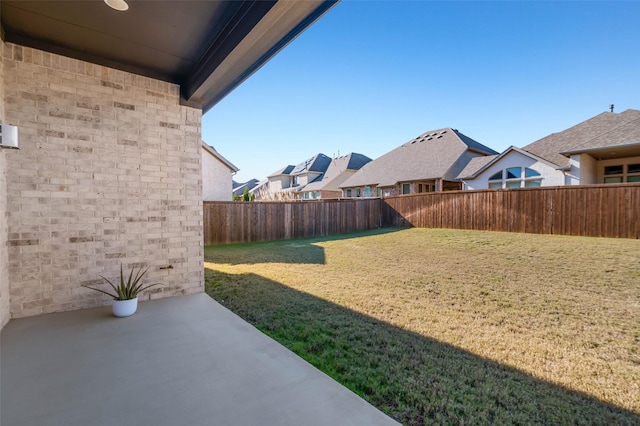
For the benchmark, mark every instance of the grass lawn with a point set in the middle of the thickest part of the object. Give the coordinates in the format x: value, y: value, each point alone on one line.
x: 451, y: 326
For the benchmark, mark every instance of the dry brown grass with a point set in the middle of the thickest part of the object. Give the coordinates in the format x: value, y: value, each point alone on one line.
x: 562, y: 309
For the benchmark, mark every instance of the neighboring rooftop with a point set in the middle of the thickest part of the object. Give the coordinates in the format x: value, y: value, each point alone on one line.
x: 335, y: 174
x: 431, y: 155
x: 286, y: 170
x: 318, y: 163
x: 238, y: 188
x: 475, y: 165
x: 604, y: 130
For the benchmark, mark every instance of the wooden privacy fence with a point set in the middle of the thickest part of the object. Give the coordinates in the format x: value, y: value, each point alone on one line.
x: 594, y: 210
x: 238, y: 222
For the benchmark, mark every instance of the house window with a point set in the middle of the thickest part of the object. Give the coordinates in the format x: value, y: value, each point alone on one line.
x: 614, y: 174
x: 618, y: 174
x: 348, y: 193
x: 615, y: 179
x: 633, y: 168
x: 514, y: 173
x: 379, y: 192
x: 613, y: 170
x: 294, y: 181
x: 424, y: 187
x: 495, y: 180
x: 515, y: 177
x: 358, y: 192
x: 367, y: 191
x: 406, y: 188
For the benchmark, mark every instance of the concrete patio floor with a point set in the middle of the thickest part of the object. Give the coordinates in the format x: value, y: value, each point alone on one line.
x: 179, y: 361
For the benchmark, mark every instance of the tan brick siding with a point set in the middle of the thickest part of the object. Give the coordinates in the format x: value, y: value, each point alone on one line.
x: 108, y: 172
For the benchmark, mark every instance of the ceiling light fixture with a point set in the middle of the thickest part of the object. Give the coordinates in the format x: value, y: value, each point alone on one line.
x: 120, y: 5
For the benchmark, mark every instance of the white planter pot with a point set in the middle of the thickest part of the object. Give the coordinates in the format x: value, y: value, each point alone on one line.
x: 125, y: 308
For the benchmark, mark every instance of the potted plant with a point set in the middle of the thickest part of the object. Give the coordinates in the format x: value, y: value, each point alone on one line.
x: 125, y: 295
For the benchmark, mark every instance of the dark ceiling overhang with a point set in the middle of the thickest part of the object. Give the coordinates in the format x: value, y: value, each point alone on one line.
x: 207, y: 47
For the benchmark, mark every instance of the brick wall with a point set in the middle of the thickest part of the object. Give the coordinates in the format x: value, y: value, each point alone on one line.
x: 108, y: 172
x: 4, y: 260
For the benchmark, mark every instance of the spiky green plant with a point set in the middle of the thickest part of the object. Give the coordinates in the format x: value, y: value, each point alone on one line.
x: 127, y: 289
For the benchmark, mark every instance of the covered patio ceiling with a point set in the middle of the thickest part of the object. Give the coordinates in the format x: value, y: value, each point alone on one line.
x: 207, y: 47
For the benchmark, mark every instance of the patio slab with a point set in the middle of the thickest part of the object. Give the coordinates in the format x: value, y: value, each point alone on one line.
x: 178, y: 361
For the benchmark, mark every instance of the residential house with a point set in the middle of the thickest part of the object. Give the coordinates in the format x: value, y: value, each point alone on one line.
x: 217, y: 175
x: 429, y: 162
x: 238, y: 188
x: 108, y: 108
x: 602, y: 149
x: 286, y: 182
x: 328, y: 185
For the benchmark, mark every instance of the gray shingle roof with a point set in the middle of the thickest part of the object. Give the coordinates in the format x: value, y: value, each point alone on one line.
x: 238, y: 188
x: 623, y: 135
x: 475, y: 165
x: 434, y: 154
x: 283, y: 171
x: 335, y: 173
x: 317, y: 163
x: 606, y: 129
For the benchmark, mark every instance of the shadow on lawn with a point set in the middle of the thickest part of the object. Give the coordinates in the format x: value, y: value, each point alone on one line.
x: 412, y: 378
x: 302, y: 250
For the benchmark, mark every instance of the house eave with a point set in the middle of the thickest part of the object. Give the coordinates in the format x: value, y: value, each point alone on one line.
x: 608, y: 152
x: 219, y: 156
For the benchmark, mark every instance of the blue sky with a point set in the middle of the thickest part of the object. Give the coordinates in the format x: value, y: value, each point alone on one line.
x: 370, y: 75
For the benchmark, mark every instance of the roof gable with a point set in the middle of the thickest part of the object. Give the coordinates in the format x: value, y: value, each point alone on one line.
x: 478, y: 165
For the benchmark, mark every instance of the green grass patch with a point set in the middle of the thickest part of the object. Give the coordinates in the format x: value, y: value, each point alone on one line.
x: 449, y: 326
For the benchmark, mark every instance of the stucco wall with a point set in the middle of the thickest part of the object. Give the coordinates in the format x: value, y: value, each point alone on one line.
x: 108, y: 172
x: 278, y: 183
x: 217, y: 182
x: 4, y: 259
x: 550, y: 176
x: 584, y: 170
